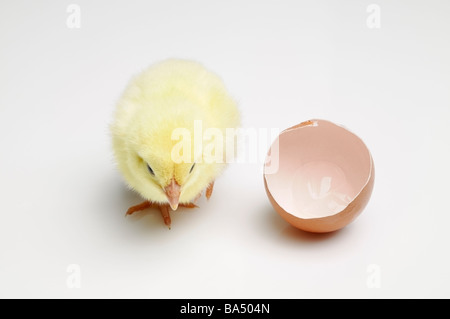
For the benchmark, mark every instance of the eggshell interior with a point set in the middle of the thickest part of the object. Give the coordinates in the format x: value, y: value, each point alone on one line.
x: 322, y: 167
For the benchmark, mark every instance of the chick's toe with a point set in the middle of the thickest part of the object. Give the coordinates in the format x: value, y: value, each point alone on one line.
x: 138, y: 207
x: 209, y: 190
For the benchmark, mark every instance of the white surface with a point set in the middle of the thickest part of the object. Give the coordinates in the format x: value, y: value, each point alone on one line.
x: 285, y: 61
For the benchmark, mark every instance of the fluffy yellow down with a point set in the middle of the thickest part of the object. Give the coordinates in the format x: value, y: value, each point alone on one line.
x: 169, y: 95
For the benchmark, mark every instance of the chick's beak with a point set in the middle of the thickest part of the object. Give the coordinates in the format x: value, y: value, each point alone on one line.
x: 173, y: 194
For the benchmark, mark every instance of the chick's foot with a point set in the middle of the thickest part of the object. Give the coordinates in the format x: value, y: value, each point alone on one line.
x: 164, y: 209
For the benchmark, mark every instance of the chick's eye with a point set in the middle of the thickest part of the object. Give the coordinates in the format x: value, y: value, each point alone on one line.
x: 192, y: 167
x: 150, y: 170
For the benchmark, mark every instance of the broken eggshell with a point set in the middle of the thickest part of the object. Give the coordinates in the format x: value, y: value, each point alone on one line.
x: 318, y: 176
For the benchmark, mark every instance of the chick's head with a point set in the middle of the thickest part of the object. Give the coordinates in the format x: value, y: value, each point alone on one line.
x: 151, y: 158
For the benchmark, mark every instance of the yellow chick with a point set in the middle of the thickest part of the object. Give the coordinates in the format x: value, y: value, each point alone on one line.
x: 159, y: 113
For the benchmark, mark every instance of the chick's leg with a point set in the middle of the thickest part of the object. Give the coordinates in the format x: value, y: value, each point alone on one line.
x: 209, y: 190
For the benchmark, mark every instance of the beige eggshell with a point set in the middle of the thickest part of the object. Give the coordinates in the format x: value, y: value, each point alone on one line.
x: 318, y: 176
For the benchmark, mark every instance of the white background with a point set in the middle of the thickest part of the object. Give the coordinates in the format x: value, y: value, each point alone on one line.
x: 63, y: 202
